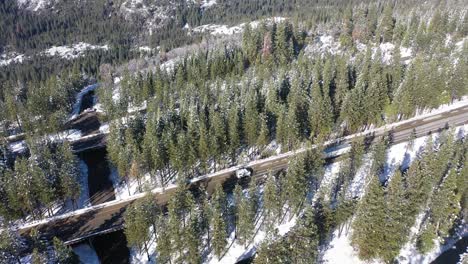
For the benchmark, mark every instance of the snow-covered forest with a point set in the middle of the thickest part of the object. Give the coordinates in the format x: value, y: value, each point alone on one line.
x: 181, y: 89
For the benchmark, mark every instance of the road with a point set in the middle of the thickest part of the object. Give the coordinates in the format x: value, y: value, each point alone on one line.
x: 107, y: 217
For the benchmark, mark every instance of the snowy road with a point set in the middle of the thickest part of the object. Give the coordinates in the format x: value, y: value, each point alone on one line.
x: 107, y: 217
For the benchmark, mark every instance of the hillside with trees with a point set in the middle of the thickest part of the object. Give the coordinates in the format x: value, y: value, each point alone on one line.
x: 188, y: 88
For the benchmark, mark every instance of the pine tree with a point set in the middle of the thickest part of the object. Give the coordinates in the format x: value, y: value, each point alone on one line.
x: 320, y: 108
x: 304, y: 239
x: 376, y: 98
x: 387, y: 24
x: 445, y: 205
x: 347, y: 28
x: 245, y: 214
x: 68, y: 173
x: 219, y: 139
x: 369, y: 225
x: 203, y: 149
x: 296, y: 183
x: 192, y: 235
x: 234, y: 130
x: 251, y: 120
x: 283, y: 47
x: 164, y: 245
x: 323, y: 219
x: 263, y: 136
x: 379, y: 157
x: 10, y: 246
x: 271, y: 202
x: 37, y: 257
x: 137, y: 226
x: 425, y: 240
x: 281, y: 127
x: 397, y: 221
x: 219, y: 238
x: 63, y: 253
x: 342, y: 84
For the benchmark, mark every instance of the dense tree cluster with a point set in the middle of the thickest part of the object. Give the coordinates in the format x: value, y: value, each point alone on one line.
x: 232, y: 100
x: 34, y: 185
x: 12, y: 248
x: 210, y: 110
x: 433, y: 185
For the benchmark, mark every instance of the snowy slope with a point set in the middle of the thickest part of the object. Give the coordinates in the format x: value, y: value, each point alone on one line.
x: 72, y: 51
x: 65, y: 52
x: 36, y: 5
x: 217, y: 30
x: 13, y: 57
x: 340, y: 250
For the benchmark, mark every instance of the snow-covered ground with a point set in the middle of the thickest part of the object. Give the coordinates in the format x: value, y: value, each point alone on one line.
x: 35, y: 5
x: 215, y: 29
x: 72, y: 51
x: 13, y: 57
x: 66, y: 52
x: 324, y: 44
x: 86, y: 254
x: 207, y: 3
x: 340, y: 250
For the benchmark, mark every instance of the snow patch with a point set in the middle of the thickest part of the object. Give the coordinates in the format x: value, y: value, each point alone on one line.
x: 35, y: 5
x: 86, y: 254
x: 72, y: 52
x: 340, y: 250
x: 207, y: 3
x: 324, y: 44
x: 218, y: 30
x: 388, y: 49
x: 10, y: 58
x: 360, y: 180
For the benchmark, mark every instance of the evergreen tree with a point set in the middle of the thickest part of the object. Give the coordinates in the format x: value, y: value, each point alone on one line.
x: 296, y: 183
x: 396, y: 221
x: 263, y: 136
x: 245, y: 214
x: 164, y: 245
x: 137, y: 226
x: 37, y: 257
x: 68, y: 173
x: 234, y: 130
x: 10, y: 246
x: 304, y: 239
x: 203, y: 149
x: 218, y: 221
x: 271, y: 202
x: 342, y: 84
x: 251, y: 120
x: 192, y: 234
x: 387, y: 24
x: 425, y: 240
x: 369, y: 225
x: 347, y: 27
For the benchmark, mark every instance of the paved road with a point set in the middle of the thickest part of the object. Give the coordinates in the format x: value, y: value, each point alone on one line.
x: 107, y: 217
